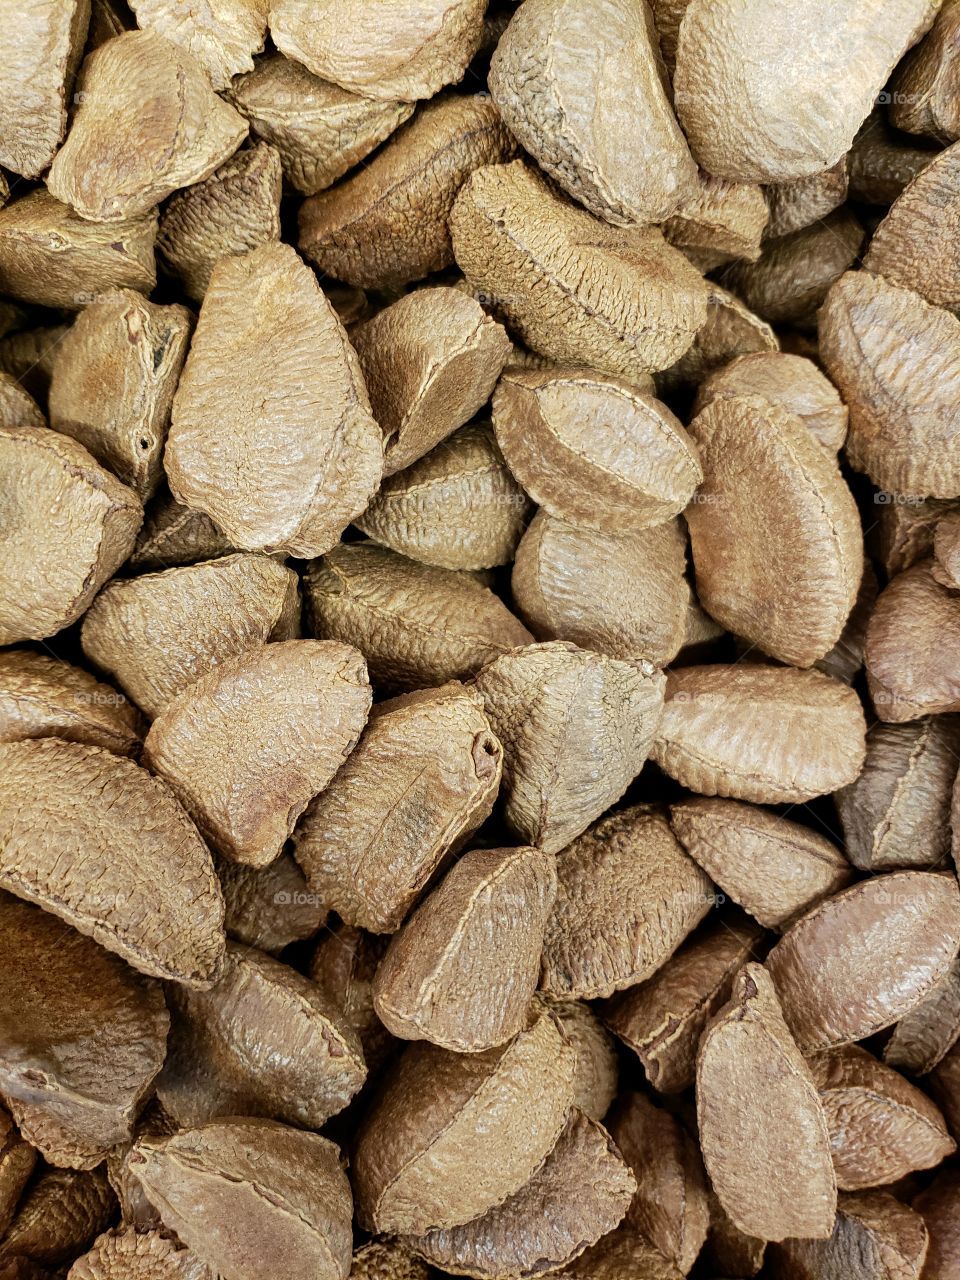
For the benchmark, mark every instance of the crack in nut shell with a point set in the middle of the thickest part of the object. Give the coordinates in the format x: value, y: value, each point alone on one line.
x: 127, y: 1254
x: 875, y: 1238
x: 221, y: 37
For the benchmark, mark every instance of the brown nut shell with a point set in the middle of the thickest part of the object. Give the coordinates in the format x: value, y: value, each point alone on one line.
x: 174, y: 535
x: 618, y: 1255
x: 804, y: 201
x: 882, y: 163
x: 42, y: 697
x: 387, y: 1259
x: 269, y: 907
x: 222, y: 37
x: 344, y: 964
x: 924, y: 96
x: 128, y: 1254
x: 719, y: 222
x: 905, y: 529
x: 875, y: 1238
x: 925, y: 1035
x: 946, y: 546
x: 939, y: 1206
x: 17, y: 407
x: 17, y: 1161
x: 729, y: 1251
x: 731, y: 329
x: 597, y: 1069
x: 60, y: 1215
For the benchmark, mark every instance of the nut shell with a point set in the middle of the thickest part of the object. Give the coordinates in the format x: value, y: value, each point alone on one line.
x: 221, y: 36
x: 875, y: 1238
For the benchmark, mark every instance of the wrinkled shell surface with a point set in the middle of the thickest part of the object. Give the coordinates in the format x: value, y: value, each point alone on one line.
x: 127, y: 1254
x: 220, y: 34
x: 924, y: 98
x: 41, y: 697
x: 61, y: 1215
x: 875, y: 1238
x: 925, y: 1035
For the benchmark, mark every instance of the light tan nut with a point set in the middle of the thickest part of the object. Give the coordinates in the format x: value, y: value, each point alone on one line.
x: 220, y: 34
x: 875, y: 1238
x: 127, y: 1254
x: 946, y: 546
x: 597, y: 1069
x: 730, y: 330
x: 17, y: 407
x: 939, y: 1206
x: 387, y: 1260
x: 845, y: 660
x: 42, y: 697
x: 17, y: 1161
x: 882, y: 163
x: 923, y: 96
x: 925, y: 1035
x: 344, y: 964
x: 269, y: 907
x: 721, y: 221
x: 61, y: 1215
x: 174, y: 535
x: 804, y: 201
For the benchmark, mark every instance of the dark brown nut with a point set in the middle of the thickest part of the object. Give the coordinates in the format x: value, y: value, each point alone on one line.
x: 766, y: 734
x: 582, y: 1191
x: 96, y: 840
x: 845, y: 660
x: 113, y: 383
x: 905, y: 529
x: 939, y: 1206
x: 275, y: 472
x: 793, y: 383
x: 387, y: 223
x: 804, y: 201
x: 344, y: 964
x: 901, y: 397
x: 670, y: 1206
x: 135, y: 1209
x: 861, y: 960
x: 430, y: 363
x: 593, y: 450
x: 730, y: 330
x: 61, y: 1215
x: 574, y: 288
x: 925, y: 1035
x: 597, y: 1070
x: 620, y: 1254
x: 882, y: 163
x: 773, y: 1180
x: 720, y: 222
x: 248, y: 745
x: 387, y: 1260
x: 158, y: 633
x: 912, y: 647
x: 233, y: 211
x: 108, y: 18
x: 744, y: 121
x: 452, y: 1135
x: 568, y: 112
x: 661, y: 1019
x: 269, y: 907
x: 624, y: 595
x: 42, y: 697
x: 252, y: 1199
x: 627, y: 897
x: 576, y: 728
x: 773, y: 868
x: 320, y: 130
x: 50, y: 256
x: 68, y: 526
x: 174, y: 535
x: 36, y: 78
x: 924, y: 90
x: 416, y: 624
x: 127, y: 1254
x: 729, y: 1251
x: 220, y: 37
x: 463, y: 969
x: 84, y: 1038
x: 881, y: 1127
x: 17, y: 407
x: 118, y: 162
x: 944, y: 1084
x: 946, y: 546
x: 302, y: 1064
x: 875, y: 1238
x: 17, y: 1160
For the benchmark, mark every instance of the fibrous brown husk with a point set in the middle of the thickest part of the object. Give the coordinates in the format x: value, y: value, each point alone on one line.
x: 221, y: 35
x: 42, y: 697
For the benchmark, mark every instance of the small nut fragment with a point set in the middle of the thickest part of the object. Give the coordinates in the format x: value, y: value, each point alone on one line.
x: 730, y: 330
x: 719, y: 222
x: 128, y: 1254
x: 42, y: 697
x: 269, y: 907
x: 924, y: 89
x: 924, y: 1036
x: 595, y: 1080
x: 875, y: 1238
x: 222, y: 35
x: 344, y: 964
x: 804, y: 201
x: 61, y: 1214
x: 174, y: 535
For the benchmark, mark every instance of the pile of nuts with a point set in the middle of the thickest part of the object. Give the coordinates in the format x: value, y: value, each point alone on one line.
x: 479, y: 639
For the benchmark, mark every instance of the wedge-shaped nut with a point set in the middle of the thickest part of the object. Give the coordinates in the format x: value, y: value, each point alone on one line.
x: 387, y: 1260
x: 875, y: 1238
x: 319, y: 129
x: 861, y: 960
x: 627, y: 897
x: 158, y: 633
x: 430, y: 363
x: 303, y: 1064
x: 621, y: 1253
x: 61, y: 1215
x: 252, y: 1199
x: 248, y: 745
x: 624, y: 595
x: 344, y: 964
x: 127, y: 1254
x: 804, y: 201
x: 845, y: 660
x: 576, y: 728
x: 97, y: 841
x: 17, y: 1160
x: 174, y: 535
x: 882, y: 163
x: 269, y: 907
x: 233, y: 211
x: 881, y: 1127
x: 117, y: 162
x: 572, y: 287
x: 597, y: 1070
x: 221, y: 35
x: 925, y: 1035
x: 135, y: 1208
x: 17, y: 407
x: 402, y: 51
x: 275, y: 471
x: 905, y: 529
x: 776, y: 1180
x: 730, y: 330
x: 593, y: 450
x: 497, y: 1114
x: 416, y: 624
x: 85, y: 1038
x: 567, y: 112
x: 582, y: 1191
x: 42, y: 697
x: 766, y: 734
x: 744, y: 120
x: 924, y: 96
x: 773, y: 868
x: 720, y: 222
x: 729, y: 1251
x: 939, y: 1206
x: 68, y: 526
x: 661, y: 1019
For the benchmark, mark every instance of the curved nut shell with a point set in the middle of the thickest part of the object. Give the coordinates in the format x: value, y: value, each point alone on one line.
x: 41, y: 697
x: 269, y: 907
x: 720, y: 221
x: 135, y: 1208
x: 17, y: 1161
x: 804, y: 201
x: 174, y: 535
x: 127, y: 1254
x: 881, y: 162
x: 17, y: 407
x: 344, y: 964
x: 875, y: 1238
x: 925, y: 1035
x: 845, y: 660
x: 61, y: 1215
x: 905, y: 529
x: 924, y: 90
x: 946, y: 546
x: 597, y: 1069
x: 730, y: 330
x: 729, y: 1250
x: 939, y: 1206
x: 221, y: 35
x: 618, y: 1254
x: 387, y: 1260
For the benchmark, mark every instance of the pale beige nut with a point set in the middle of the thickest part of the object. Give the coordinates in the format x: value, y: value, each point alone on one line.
x: 269, y: 907
x: 158, y: 633
x: 265, y: 1041
x: 450, y: 1136
x: 597, y: 1069
x: 275, y: 471
x: 252, y: 1199
x: 68, y: 526
x: 416, y: 624
x: 236, y: 209
x: 462, y: 970
x: 923, y: 96
x: 174, y: 535
x: 762, y: 733
x: 627, y: 896
x: 861, y: 960
x: 623, y: 595
x: 730, y: 330
x: 582, y: 1191
x: 407, y: 50
x: 845, y: 660
x: 881, y: 1127
x: 662, y: 1019
x: 946, y: 547
x: 135, y: 1209
x: 721, y: 221
x: 905, y: 529
x: 43, y: 51
x: 127, y: 1254
x: 222, y: 35
x: 773, y: 1180
x: 772, y: 867
x: 619, y: 1254
x: 804, y: 201
x: 85, y: 1038
x: 571, y: 113
x: 113, y: 383
x: 728, y: 1250
x: 745, y: 120
x: 42, y: 697
x: 700, y: 632
x: 249, y: 744
x: 576, y: 728
x: 925, y: 1035
x: 387, y: 1260
x: 17, y: 1161
x: 17, y: 407
x: 939, y: 1206
x: 573, y: 288
x: 344, y: 964
x: 118, y: 162
x: 875, y: 1238
x: 882, y: 163
x: 96, y: 840
x: 61, y: 1214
